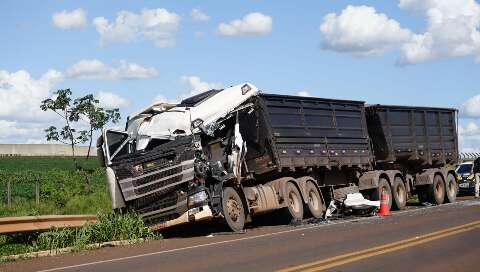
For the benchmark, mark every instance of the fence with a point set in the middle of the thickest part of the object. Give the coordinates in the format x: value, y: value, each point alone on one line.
x: 23, y: 193
x: 54, y: 188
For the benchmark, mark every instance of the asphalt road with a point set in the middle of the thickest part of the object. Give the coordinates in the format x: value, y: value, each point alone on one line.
x: 440, y: 238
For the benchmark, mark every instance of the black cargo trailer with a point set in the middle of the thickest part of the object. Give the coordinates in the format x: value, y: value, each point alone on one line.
x: 289, y: 132
x: 310, y: 131
x: 415, y: 137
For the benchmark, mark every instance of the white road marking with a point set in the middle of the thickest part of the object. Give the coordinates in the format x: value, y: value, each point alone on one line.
x: 332, y: 223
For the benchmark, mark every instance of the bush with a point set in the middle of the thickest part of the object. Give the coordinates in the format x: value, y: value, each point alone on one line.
x: 109, y: 227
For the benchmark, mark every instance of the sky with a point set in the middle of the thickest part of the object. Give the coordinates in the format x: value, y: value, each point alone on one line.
x: 130, y: 54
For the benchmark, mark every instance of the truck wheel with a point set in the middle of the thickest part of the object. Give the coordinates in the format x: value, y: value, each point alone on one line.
x: 383, y: 185
x: 314, y: 200
x: 436, y: 190
x: 451, y: 189
x: 233, y: 210
x: 399, y: 194
x: 293, y: 198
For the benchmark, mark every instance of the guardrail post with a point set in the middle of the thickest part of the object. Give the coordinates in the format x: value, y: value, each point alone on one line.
x: 477, y: 185
x: 37, y: 192
x: 9, y: 194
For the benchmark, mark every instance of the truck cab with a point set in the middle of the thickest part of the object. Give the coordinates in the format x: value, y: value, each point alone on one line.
x: 156, y: 166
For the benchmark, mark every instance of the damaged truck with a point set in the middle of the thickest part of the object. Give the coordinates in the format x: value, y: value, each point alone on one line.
x: 238, y: 152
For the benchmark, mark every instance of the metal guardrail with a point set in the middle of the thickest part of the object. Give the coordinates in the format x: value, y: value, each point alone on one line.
x: 44, y: 222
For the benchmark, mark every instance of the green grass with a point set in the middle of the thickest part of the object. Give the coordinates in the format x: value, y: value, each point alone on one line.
x: 46, y: 163
x: 110, y: 227
x: 64, y: 189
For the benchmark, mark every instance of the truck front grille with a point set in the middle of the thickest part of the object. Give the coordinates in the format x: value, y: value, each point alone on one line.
x: 154, y: 183
x: 157, y: 181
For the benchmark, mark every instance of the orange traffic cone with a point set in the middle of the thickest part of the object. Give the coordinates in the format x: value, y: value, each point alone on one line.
x: 384, y: 209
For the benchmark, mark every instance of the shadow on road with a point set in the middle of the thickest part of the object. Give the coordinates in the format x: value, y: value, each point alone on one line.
x: 217, y: 227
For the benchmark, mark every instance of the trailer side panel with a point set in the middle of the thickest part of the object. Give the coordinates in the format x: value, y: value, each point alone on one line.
x: 315, y: 132
x: 417, y: 136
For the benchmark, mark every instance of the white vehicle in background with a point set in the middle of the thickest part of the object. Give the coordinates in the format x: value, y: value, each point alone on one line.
x: 466, y: 178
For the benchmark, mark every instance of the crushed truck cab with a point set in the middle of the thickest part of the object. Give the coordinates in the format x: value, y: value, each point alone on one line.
x: 156, y: 167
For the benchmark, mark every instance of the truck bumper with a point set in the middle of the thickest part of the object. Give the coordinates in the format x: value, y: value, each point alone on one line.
x: 193, y: 215
x: 115, y: 195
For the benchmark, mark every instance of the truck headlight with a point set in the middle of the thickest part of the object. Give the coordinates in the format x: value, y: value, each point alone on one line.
x: 197, y: 199
x: 197, y: 123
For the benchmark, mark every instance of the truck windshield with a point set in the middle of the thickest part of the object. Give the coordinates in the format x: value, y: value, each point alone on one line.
x: 464, y: 168
x: 197, y: 99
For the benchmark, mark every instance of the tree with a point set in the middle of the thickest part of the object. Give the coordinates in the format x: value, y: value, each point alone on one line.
x: 83, y: 109
x: 97, y: 117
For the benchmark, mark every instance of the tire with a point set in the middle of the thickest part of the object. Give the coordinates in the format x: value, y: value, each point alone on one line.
x: 436, y: 190
x: 293, y: 198
x: 399, y: 193
x: 383, y: 185
x: 233, y: 210
x: 451, y: 189
x: 314, y: 200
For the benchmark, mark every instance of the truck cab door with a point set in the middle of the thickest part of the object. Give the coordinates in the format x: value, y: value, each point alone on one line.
x: 115, y: 143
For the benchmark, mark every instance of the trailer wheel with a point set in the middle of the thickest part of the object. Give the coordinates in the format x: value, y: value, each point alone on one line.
x: 314, y: 200
x: 399, y: 194
x: 436, y: 190
x: 233, y: 209
x: 293, y: 198
x: 383, y: 185
x: 451, y: 189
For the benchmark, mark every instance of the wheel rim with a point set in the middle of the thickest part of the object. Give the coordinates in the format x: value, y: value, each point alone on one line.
x: 400, y: 193
x: 233, y: 209
x: 293, y: 202
x: 438, y: 189
x: 313, y: 199
x: 451, y: 188
x: 386, y: 190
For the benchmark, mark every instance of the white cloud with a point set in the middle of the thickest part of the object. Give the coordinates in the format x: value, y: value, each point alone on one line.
x: 469, y: 137
x: 471, y: 107
x: 22, y: 132
x: 110, y: 100
x: 156, y: 25
x: 452, y: 31
x: 254, y: 23
x: 362, y: 31
x: 197, y: 86
x: 67, y: 20
x: 162, y: 99
x: 199, y: 35
x: 95, y: 69
x: 198, y: 15
x: 20, y: 94
x: 12, y: 128
x: 20, y: 97
x: 303, y: 93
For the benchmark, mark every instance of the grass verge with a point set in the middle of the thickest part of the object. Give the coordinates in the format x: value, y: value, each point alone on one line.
x: 109, y: 227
